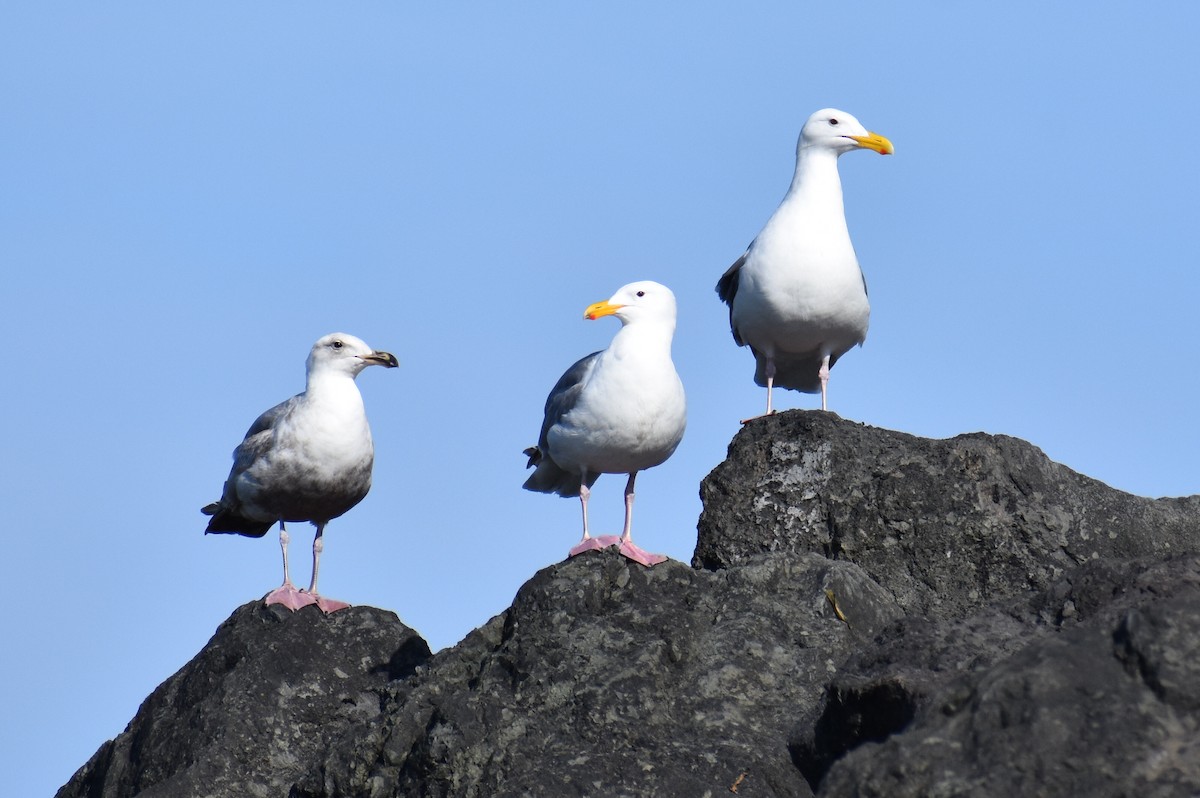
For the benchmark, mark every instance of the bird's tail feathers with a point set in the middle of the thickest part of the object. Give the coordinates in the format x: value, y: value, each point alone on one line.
x: 550, y: 478
x: 227, y: 522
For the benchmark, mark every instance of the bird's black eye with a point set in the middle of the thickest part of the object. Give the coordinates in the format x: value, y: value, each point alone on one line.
x: 833, y: 122
x: 337, y: 344
x: 641, y: 293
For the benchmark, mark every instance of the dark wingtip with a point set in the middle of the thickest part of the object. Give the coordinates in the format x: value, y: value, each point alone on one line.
x: 720, y: 288
x: 224, y: 522
x: 534, y: 454
x: 727, y: 286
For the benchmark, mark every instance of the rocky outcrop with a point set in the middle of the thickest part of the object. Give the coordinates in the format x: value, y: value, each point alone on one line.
x: 867, y: 614
x: 946, y: 525
x: 607, y: 678
x: 1089, y: 688
x: 250, y: 713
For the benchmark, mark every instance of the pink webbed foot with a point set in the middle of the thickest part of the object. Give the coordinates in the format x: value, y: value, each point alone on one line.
x: 328, y: 605
x: 589, y: 544
x: 287, y: 595
x: 638, y: 554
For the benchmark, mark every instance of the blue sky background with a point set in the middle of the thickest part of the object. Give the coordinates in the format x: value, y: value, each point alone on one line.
x: 193, y: 193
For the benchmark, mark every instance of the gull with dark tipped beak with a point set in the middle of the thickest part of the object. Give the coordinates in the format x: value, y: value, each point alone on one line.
x: 306, y: 459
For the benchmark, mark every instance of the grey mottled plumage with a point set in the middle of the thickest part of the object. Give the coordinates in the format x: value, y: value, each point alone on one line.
x: 306, y: 459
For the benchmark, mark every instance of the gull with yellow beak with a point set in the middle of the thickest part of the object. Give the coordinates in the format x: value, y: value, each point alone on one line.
x: 797, y: 296
x: 619, y: 411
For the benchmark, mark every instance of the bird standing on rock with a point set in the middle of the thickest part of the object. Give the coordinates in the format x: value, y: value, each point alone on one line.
x: 618, y: 411
x: 797, y: 296
x: 306, y: 459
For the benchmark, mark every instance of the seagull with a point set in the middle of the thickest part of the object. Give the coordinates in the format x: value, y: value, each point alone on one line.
x: 619, y: 411
x: 797, y: 296
x: 306, y: 459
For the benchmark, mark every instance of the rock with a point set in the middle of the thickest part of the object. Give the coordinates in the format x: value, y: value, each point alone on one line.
x: 1105, y: 702
x: 945, y: 525
x: 869, y: 614
x: 607, y: 678
x: 248, y: 715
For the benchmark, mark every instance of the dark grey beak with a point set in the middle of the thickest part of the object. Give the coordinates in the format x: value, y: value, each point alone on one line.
x: 378, y: 358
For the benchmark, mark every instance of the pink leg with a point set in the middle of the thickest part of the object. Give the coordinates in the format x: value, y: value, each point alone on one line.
x: 584, y: 493
x: 628, y: 548
x: 626, y: 533
x: 287, y: 594
x: 824, y: 376
x: 327, y: 605
x: 770, y: 372
x: 770, y: 383
x: 587, y: 542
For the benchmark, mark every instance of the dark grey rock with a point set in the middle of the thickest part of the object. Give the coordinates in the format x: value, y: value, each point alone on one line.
x: 945, y: 525
x: 607, y: 678
x: 249, y: 714
x: 869, y: 614
x: 1104, y: 702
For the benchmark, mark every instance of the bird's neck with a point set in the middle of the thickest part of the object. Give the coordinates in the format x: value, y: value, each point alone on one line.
x: 644, y: 339
x: 816, y: 181
x: 333, y: 387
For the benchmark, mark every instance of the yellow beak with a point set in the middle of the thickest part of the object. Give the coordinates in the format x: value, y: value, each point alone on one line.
x: 874, y: 141
x: 599, y: 309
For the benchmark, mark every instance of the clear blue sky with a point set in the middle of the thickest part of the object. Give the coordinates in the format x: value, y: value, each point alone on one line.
x: 193, y: 193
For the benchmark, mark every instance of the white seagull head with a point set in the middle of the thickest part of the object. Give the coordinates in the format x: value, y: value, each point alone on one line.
x: 641, y: 301
x: 342, y: 353
x: 839, y: 131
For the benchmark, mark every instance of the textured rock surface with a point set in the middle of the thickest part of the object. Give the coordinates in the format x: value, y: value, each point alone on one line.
x: 247, y: 715
x: 946, y: 525
x: 869, y: 614
x: 606, y: 678
x: 1104, y: 700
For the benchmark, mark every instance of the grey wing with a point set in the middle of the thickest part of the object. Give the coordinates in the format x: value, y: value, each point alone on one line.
x: 565, y: 393
x: 226, y: 513
x: 727, y: 288
x: 258, y: 437
x: 548, y: 477
x: 267, y: 420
